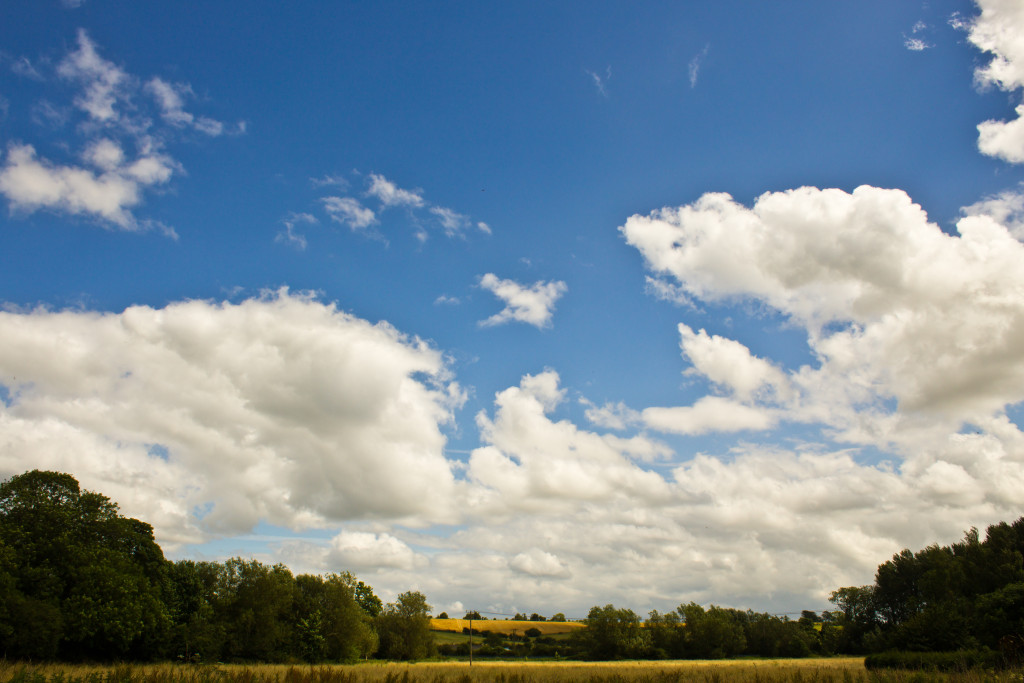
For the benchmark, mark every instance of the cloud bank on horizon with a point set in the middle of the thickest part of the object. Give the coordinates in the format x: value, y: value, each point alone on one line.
x: 217, y: 417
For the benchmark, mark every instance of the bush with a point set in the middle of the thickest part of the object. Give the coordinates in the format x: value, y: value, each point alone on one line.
x: 961, y: 660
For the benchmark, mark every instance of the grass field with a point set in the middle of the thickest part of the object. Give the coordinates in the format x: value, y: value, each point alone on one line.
x: 837, y: 670
x: 503, y: 627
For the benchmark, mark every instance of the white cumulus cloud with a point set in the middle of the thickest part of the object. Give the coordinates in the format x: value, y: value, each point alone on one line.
x: 537, y: 562
x: 109, y: 193
x: 531, y: 460
x: 532, y: 304
x: 709, y: 414
x: 361, y: 550
x: 729, y: 364
x: 390, y: 194
x: 999, y: 30
x: 349, y: 211
x: 279, y: 408
x: 894, y: 307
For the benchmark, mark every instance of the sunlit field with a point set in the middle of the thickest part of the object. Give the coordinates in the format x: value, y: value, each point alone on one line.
x: 839, y: 669
x: 506, y: 627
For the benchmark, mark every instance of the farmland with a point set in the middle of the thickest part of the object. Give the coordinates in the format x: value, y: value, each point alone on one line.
x: 821, y: 670
x: 506, y: 627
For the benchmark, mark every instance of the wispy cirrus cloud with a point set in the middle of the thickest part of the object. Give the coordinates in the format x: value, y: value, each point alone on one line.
x: 290, y: 234
x: 915, y: 41
x: 171, y: 98
x: 695, y: 64
x: 600, y: 82
x: 103, y: 83
x: 122, y: 153
x: 351, y: 209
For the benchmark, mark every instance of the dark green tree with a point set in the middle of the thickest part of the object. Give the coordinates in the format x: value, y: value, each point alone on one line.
x: 255, y: 604
x: 403, y: 627
x: 84, y: 577
x: 857, y: 617
x: 198, y: 633
x: 370, y: 603
x: 713, y: 633
x: 665, y: 635
x: 612, y: 633
x: 347, y: 627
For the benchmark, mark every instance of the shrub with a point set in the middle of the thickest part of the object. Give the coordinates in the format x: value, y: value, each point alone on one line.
x: 961, y: 660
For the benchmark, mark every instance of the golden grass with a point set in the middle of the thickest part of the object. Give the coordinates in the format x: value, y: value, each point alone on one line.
x: 546, y: 628
x: 830, y: 670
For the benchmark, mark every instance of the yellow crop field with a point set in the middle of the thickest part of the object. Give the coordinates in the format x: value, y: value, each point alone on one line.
x: 546, y: 628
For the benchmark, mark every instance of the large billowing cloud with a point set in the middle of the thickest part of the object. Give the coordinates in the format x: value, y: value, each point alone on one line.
x: 893, y: 307
x: 571, y: 517
x: 913, y: 333
x: 205, y: 416
x: 531, y: 462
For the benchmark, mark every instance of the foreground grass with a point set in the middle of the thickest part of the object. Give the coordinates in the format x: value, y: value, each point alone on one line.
x: 837, y: 670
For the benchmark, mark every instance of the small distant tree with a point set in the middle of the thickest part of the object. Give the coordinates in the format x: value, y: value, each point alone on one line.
x: 520, y: 617
x: 558, y: 616
x: 474, y: 615
x: 442, y: 615
x: 536, y: 617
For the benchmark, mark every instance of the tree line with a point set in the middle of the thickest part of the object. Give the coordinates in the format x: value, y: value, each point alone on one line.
x: 968, y: 596
x: 80, y: 581
x: 965, y: 596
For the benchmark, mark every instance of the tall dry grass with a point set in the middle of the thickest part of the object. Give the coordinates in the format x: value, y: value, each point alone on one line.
x: 837, y: 670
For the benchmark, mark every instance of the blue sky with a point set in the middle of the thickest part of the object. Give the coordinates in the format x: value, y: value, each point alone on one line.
x: 528, y: 306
